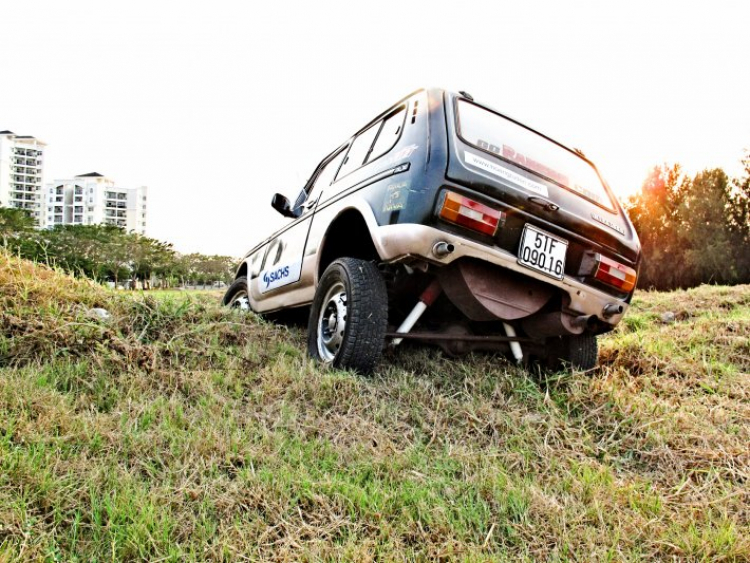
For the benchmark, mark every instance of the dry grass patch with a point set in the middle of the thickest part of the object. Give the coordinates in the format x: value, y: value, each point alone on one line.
x: 182, y: 431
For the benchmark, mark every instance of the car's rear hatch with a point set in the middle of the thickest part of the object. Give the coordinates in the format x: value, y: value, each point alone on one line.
x: 536, y: 181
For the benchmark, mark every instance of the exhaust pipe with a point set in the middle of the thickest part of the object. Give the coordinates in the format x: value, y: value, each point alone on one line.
x: 611, y: 309
x: 583, y: 321
x: 442, y: 249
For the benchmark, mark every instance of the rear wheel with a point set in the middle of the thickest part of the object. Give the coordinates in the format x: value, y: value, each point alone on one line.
x: 578, y: 351
x: 349, y: 316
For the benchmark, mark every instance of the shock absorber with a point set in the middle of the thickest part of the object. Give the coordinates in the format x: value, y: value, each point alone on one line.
x: 425, y: 300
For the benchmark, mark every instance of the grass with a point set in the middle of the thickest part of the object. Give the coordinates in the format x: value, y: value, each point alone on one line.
x: 180, y: 431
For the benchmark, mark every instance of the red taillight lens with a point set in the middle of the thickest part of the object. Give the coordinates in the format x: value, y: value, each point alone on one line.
x: 615, y: 274
x: 469, y: 213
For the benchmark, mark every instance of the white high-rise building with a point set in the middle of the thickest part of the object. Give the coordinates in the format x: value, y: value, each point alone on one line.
x: 21, y: 165
x: 90, y: 199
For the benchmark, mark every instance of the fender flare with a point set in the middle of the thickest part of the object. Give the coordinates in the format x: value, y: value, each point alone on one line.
x: 363, y: 209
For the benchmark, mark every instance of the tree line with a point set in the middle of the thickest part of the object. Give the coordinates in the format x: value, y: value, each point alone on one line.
x: 109, y: 253
x: 693, y: 230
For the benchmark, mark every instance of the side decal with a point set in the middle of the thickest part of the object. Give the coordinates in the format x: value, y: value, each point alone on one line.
x: 279, y: 275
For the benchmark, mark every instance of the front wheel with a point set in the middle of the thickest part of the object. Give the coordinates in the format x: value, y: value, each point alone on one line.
x: 349, y: 316
x: 237, y: 295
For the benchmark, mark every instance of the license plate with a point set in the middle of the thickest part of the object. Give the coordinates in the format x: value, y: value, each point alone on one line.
x: 543, y: 252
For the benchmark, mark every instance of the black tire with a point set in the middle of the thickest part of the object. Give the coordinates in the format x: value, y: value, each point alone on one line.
x: 351, y: 292
x: 577, y: 351
x: 237, y: 295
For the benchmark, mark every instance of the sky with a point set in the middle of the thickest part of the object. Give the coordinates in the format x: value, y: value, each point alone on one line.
x: 215, y: 106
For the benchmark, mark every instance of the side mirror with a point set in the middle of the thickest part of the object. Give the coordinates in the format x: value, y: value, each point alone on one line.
x: 281, y: 204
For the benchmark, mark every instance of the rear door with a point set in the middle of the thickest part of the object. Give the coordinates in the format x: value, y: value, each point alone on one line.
x: 541, y: 182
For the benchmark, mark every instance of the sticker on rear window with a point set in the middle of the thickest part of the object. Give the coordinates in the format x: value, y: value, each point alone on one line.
x: 505, y: 174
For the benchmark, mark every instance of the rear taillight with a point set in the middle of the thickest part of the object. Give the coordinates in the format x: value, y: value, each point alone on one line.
x: 471, y: 214
x: 615, y: 274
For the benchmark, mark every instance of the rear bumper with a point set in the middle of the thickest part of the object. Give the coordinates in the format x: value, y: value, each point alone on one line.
x: 402, y: 242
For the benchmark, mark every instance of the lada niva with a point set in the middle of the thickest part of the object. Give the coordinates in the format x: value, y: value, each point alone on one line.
x: 445, y: 221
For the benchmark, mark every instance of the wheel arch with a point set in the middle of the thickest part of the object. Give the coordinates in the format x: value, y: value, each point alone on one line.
x: 347, y: 235
x: 242, y: 270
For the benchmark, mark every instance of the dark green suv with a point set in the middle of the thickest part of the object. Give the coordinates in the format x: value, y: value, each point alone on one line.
x: 445, y: 221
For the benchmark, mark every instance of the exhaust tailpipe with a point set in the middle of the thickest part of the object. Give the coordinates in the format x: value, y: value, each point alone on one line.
x: 442, y: 249
x: 611, y: 309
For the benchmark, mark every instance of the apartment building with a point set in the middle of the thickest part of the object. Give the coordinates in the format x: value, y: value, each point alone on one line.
x: 21, y: 166
x: 90, y: 199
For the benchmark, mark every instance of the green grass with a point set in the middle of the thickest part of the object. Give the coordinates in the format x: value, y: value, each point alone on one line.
x: 200, y: 294
x: 177, y: 430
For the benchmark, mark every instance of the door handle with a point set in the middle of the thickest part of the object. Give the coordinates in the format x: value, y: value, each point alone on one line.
x: 541, y: 202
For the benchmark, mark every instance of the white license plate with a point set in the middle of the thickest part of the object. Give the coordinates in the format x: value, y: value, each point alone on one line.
x: 543, y: 252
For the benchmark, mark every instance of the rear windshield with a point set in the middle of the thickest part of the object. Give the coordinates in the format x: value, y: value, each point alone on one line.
x: 520, y: 146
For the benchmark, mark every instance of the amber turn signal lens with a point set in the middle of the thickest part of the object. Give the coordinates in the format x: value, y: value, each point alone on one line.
x: 471, y: 214
x: 615, y: 274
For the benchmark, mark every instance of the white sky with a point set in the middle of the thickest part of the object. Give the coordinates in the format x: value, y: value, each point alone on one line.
x: 217, y: 105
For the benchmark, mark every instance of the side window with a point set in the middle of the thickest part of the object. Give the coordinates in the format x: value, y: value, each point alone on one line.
x: 357, y: 154
x: 323, y: 179
x: 389, y: 134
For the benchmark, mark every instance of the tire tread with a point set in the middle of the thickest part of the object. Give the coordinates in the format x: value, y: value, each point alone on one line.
x: 367, y: 315
x: 582, y: 351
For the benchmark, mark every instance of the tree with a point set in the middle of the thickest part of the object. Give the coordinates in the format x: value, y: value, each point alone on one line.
x: 14, y: 223
x: 654, y: 212
x: 201, y: 269
x: 108, y: 252
x: 114, y: 257
x: 80, y: 249
x: 148, y: 257
x: 704, y: 231
x: 692, y: 231
x: 739, y: 198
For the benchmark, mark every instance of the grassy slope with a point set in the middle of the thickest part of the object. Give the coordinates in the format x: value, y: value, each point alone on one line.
x: 182, y: 431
